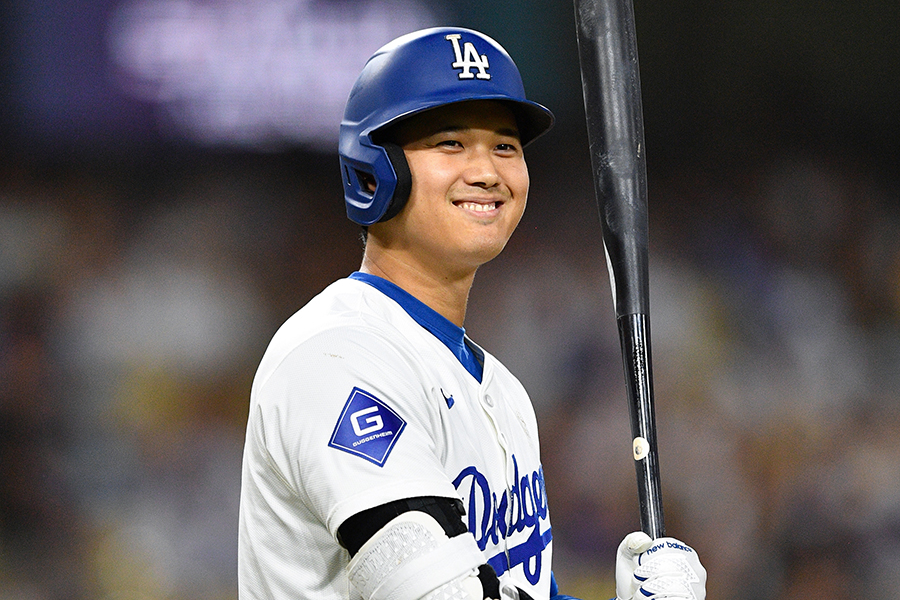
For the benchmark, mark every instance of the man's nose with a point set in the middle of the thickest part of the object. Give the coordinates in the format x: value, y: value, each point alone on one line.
x: 481, y: 171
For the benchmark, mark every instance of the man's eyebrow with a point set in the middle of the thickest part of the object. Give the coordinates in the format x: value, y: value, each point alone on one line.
x: 449, y: 129
x: 505, y: 131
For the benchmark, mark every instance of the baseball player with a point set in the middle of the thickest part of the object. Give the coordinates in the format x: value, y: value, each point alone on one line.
x: 388, y: 456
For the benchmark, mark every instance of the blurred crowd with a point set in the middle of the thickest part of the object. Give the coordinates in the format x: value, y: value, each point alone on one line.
x: 136, y: 301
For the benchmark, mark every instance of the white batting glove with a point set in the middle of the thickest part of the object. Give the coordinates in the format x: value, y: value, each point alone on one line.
x: 654, y: 569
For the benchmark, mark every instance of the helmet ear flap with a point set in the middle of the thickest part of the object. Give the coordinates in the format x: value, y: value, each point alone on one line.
x: 404, y: 180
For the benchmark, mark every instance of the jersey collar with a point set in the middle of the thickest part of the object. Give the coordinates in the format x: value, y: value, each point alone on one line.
x: 452, y: 336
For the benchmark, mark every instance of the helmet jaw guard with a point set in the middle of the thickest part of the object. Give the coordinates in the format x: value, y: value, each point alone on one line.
x: 414, y: 73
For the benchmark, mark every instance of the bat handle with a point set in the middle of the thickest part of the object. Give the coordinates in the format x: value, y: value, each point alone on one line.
x: 634, y: 334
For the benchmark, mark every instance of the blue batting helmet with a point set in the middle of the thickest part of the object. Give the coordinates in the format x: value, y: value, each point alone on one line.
x: 414, y: 73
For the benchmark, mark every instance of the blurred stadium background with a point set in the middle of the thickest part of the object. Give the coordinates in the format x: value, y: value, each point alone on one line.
x: 169, y: 194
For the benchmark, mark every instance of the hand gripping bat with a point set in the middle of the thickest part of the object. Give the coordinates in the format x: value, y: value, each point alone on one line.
x: 610, y: 78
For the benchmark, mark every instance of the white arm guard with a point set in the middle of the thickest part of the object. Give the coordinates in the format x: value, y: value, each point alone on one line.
x: 412, y: 558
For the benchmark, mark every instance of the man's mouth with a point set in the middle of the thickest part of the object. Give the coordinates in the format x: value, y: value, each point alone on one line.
x: 478, y: 206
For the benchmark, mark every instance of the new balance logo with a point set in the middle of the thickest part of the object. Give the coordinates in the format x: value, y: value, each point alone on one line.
x: 467, y: 58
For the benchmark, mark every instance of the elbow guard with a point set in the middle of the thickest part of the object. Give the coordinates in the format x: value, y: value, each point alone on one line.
x: 411, y: 557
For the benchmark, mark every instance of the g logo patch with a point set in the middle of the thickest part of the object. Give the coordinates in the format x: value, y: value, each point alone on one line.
x: 367, y: 427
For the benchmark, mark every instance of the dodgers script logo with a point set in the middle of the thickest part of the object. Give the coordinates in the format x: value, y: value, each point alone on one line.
x: 520, y: 508
x: 367, y: 427
x: 467, y: 58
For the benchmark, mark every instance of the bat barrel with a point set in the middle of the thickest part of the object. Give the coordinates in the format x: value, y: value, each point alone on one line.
x: 612, y: 95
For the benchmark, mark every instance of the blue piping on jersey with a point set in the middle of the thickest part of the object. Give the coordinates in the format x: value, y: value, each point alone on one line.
x: 449, y: 334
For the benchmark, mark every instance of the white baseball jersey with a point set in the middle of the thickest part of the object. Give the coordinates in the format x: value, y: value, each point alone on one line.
x: 360, y: 400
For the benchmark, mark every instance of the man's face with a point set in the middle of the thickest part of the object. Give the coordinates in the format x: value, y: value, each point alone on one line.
x: 469, y: 186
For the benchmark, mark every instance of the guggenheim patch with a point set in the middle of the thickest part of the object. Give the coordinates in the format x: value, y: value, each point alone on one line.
x: 367, y: 427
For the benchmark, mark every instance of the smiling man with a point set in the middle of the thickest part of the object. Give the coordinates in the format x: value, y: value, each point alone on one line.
x: 388, y: 456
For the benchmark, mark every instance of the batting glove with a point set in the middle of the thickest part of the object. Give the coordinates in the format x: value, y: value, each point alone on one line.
x: 655, y: 569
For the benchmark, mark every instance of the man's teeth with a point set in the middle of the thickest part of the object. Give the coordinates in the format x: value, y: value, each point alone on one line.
x: 478, y: 207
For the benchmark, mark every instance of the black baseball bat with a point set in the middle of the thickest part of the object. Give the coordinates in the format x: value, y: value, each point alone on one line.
x: 607, y: 49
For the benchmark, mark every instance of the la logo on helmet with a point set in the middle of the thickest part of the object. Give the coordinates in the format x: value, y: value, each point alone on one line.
x: 468, y: 58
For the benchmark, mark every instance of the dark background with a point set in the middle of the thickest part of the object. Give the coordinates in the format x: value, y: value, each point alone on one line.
x: 169, y: 194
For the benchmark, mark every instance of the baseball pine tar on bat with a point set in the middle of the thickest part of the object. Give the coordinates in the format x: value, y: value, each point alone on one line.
x: 388, y: 456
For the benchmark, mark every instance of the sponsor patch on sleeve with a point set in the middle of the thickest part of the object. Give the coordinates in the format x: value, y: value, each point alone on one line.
x: 367, y: 427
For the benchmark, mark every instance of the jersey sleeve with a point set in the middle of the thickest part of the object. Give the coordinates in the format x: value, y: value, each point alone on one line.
x: 347, y: 420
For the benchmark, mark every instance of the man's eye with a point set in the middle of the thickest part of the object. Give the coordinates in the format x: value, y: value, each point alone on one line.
x: 451, y: 143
